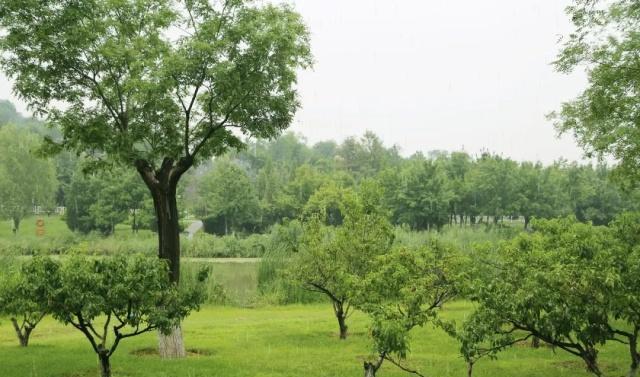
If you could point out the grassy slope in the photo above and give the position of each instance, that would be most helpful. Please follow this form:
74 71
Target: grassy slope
275 341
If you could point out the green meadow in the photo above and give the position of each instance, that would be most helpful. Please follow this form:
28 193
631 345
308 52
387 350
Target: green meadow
270 341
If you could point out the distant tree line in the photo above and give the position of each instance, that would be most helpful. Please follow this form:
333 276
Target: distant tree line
283 179
270 182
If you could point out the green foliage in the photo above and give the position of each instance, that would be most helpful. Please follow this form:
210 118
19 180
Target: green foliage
403 290
204 245
423 197
228 199
164 85
603 117
133 294
554 284
331 260
25 180
328 203
25 294
100 201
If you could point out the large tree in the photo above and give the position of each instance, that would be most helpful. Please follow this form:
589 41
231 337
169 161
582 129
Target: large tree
604 117
155 84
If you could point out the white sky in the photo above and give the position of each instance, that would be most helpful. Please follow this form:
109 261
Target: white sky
427 74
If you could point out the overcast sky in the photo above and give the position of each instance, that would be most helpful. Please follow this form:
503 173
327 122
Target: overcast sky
426 74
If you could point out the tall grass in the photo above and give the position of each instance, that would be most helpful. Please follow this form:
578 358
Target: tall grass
464 238
274 286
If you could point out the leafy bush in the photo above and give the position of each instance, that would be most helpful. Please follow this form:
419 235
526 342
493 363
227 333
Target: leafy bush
133 294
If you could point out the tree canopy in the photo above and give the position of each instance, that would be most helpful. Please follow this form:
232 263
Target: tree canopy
604 116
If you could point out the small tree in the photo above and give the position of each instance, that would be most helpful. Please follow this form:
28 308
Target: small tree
405 290
554 285
25 294
331 260
111 299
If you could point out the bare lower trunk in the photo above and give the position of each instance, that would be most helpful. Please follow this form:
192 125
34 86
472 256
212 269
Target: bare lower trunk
22 333
105 365
163 186
16 224
171 345
341 316
343 327
370 369
469 369
590 359
635 356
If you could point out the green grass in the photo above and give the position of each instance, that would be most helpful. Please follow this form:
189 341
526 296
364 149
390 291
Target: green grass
54 226
297 340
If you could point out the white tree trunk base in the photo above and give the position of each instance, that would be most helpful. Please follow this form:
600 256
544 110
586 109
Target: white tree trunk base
171 346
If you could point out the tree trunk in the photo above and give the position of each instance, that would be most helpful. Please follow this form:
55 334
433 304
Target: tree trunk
370 369
162 184
171 346
343 327
105 365
591 359
23 334
635 356
342 317
527 219
469 369
16 224
166 208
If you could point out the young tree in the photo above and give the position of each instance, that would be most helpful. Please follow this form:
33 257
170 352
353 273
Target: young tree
553 284
404 290
25 295
330 260
111 299
603 117
25 180
155 84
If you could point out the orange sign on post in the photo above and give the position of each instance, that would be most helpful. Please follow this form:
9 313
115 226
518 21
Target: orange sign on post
39 227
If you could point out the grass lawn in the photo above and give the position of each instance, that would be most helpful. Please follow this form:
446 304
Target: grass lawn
297 340
53 226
